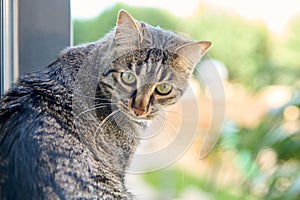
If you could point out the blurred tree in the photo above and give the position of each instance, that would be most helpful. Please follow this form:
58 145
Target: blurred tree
282 180
255 58
285 55
288 48
241 45
93 29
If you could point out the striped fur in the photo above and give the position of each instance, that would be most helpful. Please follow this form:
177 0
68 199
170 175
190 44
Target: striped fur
69 131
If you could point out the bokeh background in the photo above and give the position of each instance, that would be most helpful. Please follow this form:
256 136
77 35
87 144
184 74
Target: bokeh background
256 47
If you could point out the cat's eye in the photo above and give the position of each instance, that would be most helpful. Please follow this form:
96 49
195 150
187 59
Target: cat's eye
164 88
128 78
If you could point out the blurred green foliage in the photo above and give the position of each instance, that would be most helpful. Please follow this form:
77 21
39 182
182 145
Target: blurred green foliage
171 183
288 50
281 181
93 29
241 46
252 55
255 58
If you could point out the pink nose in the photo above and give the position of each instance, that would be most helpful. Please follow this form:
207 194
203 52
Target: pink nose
138 111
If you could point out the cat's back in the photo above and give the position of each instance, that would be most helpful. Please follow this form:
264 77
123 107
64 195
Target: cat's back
41 154
47 91
31 125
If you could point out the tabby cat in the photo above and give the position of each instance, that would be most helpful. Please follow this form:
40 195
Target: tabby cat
69 131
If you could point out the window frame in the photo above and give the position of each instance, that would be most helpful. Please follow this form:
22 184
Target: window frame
8 44
50 21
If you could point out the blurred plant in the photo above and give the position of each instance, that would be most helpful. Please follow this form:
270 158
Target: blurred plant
172 183
246 47
93 29
269 154
285 55
288 46
243 46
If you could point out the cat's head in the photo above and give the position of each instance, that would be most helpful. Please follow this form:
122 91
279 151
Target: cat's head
152 67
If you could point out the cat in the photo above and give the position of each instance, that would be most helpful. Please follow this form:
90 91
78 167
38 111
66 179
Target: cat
70 130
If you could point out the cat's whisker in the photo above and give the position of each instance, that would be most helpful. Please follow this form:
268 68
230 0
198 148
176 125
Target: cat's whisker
88 110
108 103
94 107
106 119
169 134
91 97
170 111
112 118
88 73
169 123
99 97
118 117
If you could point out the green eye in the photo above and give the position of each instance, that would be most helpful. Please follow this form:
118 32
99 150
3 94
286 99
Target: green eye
128 78
164 88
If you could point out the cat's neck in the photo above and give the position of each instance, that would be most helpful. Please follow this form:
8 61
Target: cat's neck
122 139
108 133
114 143
118 138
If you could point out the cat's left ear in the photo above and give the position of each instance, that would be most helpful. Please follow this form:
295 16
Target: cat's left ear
127 27
192 52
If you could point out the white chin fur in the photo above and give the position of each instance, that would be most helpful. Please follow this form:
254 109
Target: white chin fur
144 122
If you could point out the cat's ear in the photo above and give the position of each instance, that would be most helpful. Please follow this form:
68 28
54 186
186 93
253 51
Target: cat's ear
127 26
192 52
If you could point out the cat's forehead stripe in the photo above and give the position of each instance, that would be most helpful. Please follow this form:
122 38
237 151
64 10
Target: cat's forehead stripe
146 55
138 68
148 61
166 76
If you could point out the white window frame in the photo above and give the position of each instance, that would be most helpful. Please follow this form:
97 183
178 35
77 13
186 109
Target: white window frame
9 43
49 20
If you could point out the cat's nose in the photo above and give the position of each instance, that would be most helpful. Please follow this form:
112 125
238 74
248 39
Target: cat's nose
139 111
139 105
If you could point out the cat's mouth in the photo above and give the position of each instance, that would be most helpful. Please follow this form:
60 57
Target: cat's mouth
137 116
142 121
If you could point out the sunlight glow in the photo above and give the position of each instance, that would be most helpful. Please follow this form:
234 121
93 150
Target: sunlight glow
291 113
91 8
275 14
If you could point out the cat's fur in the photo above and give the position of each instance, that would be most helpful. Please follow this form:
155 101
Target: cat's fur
68 131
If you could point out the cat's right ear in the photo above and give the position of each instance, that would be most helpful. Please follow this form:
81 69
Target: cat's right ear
127 28
192 52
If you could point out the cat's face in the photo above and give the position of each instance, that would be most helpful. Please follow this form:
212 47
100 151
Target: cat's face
152 71
144 81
